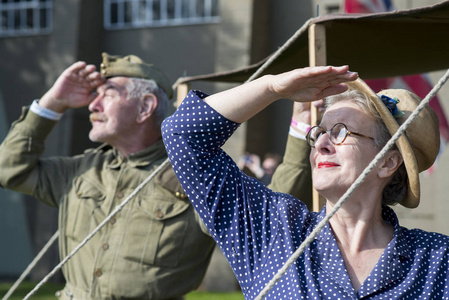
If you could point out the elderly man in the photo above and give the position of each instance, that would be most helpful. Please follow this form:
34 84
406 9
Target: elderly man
156 247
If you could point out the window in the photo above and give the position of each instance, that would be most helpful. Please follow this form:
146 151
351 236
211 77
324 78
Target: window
120 14
25 17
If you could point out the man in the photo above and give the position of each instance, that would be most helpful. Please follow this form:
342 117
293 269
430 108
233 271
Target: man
155 247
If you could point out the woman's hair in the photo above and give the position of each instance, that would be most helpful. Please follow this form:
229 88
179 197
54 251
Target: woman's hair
396 190
138 87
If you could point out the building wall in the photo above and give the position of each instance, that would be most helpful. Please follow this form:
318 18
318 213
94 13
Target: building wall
267 132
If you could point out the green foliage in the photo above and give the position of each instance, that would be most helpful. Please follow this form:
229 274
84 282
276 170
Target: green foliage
197 295
47 291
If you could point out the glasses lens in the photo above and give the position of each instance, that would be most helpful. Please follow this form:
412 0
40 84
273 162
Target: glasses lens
338 133
313 135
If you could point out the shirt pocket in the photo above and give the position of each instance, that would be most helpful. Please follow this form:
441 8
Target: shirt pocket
156 231
84 211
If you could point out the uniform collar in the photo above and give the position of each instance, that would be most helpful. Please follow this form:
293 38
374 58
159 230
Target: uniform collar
140 159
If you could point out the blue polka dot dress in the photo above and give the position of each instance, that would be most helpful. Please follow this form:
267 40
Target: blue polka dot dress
258 229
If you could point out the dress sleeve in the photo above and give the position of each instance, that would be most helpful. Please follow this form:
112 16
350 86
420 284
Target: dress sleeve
239 211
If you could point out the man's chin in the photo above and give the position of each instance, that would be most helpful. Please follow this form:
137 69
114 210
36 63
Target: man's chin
95 139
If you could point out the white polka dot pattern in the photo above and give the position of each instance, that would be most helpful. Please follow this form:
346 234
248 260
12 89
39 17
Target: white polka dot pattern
258 229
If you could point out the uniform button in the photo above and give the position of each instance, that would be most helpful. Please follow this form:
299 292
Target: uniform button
119 194
159 214
180 195
98 272
112 220
105 246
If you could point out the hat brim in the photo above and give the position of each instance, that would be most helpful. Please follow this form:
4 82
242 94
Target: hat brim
412 198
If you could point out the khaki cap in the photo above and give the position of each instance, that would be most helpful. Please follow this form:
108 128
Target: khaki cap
420 144
133 66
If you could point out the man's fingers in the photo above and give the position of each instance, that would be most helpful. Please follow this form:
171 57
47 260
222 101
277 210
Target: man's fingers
76 67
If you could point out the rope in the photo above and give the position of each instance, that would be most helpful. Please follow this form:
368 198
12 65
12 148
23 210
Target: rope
349 192
107 219
31 265
280 50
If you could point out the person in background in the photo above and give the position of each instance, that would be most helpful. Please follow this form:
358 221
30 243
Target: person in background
362 252
156 247
262 170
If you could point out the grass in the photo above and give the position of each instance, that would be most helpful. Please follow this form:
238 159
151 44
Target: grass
48 290
197 295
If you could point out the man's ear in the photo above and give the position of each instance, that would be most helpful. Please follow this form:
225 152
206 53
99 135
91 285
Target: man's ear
390 163
147 106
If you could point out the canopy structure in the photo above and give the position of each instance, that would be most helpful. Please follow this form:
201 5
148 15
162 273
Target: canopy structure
375 45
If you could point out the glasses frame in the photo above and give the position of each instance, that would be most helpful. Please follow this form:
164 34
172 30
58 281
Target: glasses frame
348 132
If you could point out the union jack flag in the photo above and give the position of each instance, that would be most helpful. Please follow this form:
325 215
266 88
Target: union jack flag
419 83
368 6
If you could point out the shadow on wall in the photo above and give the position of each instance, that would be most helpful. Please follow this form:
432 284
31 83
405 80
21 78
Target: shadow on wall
16 250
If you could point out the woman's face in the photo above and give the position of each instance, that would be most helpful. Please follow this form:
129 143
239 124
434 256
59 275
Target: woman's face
336 167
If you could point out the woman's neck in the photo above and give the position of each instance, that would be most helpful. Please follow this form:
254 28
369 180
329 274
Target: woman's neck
362 235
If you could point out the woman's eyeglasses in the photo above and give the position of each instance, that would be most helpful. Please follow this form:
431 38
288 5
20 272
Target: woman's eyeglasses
337 134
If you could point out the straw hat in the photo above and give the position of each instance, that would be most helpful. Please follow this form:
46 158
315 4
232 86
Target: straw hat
420 145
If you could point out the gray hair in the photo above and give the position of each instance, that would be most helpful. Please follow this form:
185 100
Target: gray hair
396 190
138 87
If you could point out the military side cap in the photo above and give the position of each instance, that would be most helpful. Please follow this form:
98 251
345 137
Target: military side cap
133 66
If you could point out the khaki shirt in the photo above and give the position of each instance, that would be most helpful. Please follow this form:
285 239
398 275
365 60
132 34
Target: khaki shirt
294 176
154 248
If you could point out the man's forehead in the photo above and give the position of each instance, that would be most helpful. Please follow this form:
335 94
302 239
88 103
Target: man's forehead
114 82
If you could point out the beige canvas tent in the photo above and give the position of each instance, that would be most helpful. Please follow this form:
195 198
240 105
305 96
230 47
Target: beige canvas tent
376 45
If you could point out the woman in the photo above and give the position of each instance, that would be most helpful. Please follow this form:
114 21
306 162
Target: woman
362 252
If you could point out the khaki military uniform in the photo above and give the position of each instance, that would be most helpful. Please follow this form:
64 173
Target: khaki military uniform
154 248
293 176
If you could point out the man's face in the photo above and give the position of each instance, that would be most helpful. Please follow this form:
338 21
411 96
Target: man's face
113 116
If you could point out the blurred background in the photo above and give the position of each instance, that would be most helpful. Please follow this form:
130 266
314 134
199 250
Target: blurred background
40 38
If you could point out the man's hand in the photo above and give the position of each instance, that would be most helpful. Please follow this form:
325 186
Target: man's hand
302 110
74 88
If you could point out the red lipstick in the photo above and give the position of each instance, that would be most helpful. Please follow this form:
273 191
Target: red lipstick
327 164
